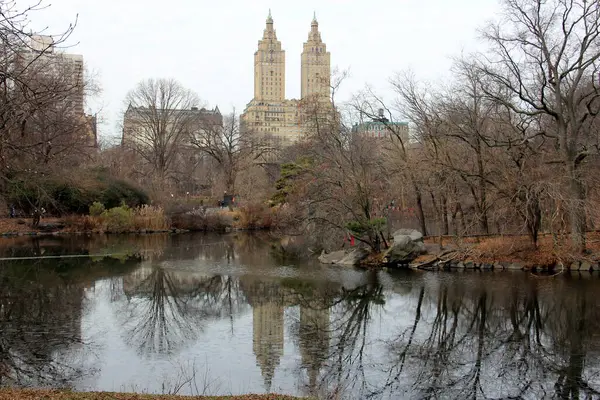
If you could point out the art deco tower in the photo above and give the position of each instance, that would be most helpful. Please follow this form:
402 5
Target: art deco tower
316 69
269 66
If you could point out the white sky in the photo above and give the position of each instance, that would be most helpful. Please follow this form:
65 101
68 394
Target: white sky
208 45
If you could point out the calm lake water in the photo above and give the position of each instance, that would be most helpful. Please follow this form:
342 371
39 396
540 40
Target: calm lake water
209 314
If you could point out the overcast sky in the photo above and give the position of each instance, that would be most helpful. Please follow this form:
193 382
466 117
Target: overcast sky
208 45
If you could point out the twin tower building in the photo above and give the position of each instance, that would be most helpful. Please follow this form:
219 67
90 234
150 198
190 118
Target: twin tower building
269 113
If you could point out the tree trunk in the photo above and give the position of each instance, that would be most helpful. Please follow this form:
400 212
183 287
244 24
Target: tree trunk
445 215
483 218
230 182
420 213
577 212
438 214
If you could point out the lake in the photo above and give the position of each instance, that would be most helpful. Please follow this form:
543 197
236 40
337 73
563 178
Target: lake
230 314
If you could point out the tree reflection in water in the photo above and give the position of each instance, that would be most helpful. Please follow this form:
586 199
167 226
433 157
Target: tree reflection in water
332 336
464 339
164 309
485 342
41 305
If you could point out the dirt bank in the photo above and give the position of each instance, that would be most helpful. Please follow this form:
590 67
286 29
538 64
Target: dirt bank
551 251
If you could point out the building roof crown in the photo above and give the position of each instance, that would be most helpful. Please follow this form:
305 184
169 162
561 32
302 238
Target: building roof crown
269 18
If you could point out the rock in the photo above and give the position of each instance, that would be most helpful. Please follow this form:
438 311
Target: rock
447 265
331 258
414 234
48 227
427 262
574 266
487 266
354 257
344 257
469 265
514 267
459 265
585 266
408 245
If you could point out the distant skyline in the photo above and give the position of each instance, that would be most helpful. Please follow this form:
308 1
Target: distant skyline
208 46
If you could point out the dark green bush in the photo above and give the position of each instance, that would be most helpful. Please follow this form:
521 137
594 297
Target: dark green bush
117 192
69 195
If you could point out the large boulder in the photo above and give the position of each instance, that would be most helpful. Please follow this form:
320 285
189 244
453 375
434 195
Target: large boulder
408 245
349 257
331 258
354 257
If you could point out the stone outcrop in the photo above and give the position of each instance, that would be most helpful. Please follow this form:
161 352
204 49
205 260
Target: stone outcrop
408 245
344 257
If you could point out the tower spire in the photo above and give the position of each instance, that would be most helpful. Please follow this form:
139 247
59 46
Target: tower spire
269 32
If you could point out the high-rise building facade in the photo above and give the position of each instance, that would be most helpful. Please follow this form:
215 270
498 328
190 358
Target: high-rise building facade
58 80
64 71
316 66
269 115
269 67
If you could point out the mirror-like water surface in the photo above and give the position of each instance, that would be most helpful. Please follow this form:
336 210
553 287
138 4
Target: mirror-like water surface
207 314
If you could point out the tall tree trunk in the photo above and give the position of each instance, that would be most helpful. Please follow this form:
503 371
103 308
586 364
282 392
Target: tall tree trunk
577 212
420 213
230 181
445 215
482 189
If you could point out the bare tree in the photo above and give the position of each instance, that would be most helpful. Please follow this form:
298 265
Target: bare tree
41 92
231 150
543 62
160 117
402 160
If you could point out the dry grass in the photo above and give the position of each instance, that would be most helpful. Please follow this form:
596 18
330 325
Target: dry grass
22 225
30 394
150 218
520 250
215 222
253 216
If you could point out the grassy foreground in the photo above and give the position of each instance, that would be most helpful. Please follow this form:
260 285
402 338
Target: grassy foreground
30 394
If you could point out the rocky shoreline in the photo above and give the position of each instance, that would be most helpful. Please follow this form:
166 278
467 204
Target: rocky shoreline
408 250
576 266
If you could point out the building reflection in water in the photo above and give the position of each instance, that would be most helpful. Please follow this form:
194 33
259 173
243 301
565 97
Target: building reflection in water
269 299
314 340
267 339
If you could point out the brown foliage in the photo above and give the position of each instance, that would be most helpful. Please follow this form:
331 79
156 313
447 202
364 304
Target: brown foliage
520 250
254 216
199 222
